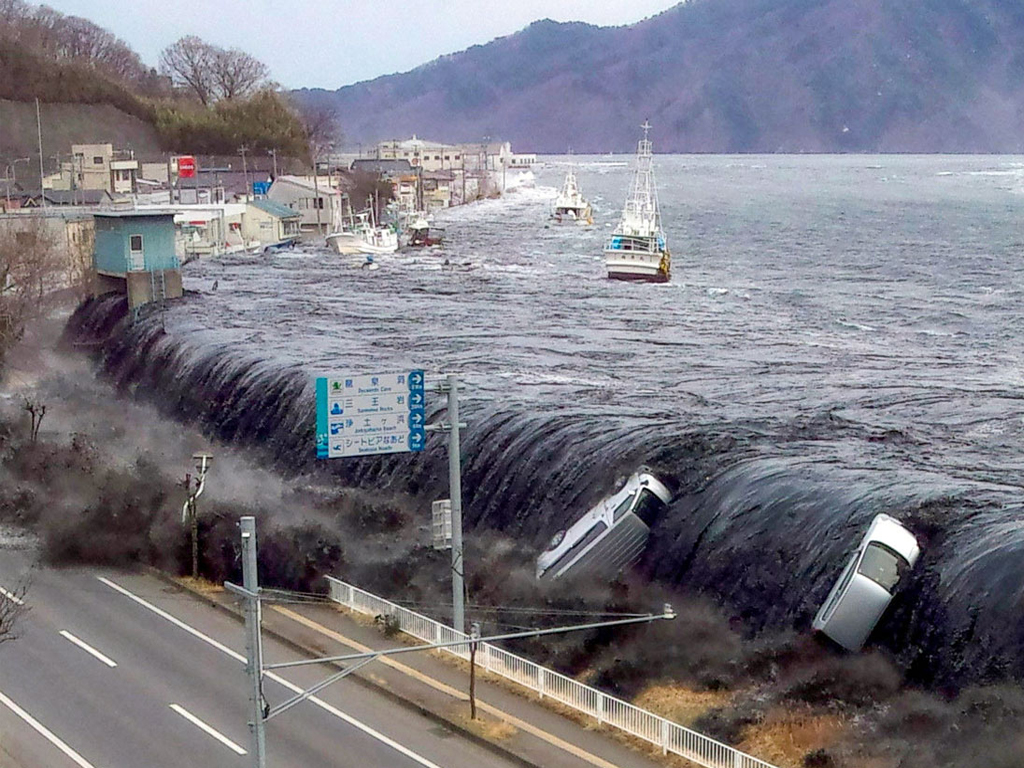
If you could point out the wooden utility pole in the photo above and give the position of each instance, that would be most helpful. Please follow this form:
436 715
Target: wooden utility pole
245 170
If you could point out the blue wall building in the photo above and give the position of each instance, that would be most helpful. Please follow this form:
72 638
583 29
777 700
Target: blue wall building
134 254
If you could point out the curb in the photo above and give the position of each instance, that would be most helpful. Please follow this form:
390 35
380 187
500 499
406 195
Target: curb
498 749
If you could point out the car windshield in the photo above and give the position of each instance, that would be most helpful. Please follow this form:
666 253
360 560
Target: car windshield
882 566
648 506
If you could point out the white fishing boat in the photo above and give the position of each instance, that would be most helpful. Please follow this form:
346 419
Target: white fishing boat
360 234
636 249
571 205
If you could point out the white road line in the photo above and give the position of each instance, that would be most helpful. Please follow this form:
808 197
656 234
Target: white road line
209 729
88 648
273 676
11 596
45 732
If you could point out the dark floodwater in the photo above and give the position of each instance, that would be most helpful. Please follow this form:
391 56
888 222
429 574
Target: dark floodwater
841 336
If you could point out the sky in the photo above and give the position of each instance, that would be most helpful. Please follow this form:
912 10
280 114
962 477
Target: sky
331 43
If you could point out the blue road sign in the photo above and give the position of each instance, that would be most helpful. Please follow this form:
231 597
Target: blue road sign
368 414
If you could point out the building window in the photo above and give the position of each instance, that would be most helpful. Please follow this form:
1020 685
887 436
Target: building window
97 160
447 157
320 203
136 244
458 157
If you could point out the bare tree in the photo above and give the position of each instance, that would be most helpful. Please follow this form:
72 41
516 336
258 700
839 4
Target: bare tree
30 267
12 605
192 63
321 127
236 74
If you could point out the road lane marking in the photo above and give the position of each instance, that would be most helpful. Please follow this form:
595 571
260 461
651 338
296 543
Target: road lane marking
88 648
369 731
45 732
208 729
522 725
11 596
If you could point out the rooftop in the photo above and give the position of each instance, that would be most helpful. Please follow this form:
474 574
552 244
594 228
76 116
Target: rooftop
275 209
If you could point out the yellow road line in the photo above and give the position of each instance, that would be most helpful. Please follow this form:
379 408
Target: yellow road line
453 692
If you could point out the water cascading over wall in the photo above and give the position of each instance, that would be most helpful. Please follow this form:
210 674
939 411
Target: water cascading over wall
763 521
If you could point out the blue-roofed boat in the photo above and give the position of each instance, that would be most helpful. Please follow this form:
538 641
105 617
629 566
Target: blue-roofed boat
637 249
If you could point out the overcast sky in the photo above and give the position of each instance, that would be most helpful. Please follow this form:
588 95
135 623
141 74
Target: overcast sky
331 43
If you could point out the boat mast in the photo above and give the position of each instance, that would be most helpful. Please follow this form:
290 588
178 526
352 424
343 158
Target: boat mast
642 201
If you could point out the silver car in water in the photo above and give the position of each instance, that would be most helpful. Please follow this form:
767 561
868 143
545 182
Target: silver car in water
611 536
867 584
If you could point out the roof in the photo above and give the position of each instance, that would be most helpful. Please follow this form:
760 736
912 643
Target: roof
76 196
275 209
306 182
131 214
383 166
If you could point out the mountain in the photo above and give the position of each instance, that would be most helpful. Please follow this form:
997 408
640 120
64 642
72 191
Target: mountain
724 76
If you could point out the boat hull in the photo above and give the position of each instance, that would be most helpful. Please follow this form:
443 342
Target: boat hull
349 243
640 267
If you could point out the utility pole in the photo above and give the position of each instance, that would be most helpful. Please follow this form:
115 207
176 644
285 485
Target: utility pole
316 192
273 154
475 635
455 491
452 426
39 133
245 170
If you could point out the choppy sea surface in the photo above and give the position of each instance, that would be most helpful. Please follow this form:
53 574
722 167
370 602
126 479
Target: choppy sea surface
842 336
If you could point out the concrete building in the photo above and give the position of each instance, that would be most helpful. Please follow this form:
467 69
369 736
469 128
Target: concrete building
98 167
318 202
428 155
269 223
437 190
134 254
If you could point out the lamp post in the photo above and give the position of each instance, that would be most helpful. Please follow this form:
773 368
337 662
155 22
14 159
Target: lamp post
188 511
11 173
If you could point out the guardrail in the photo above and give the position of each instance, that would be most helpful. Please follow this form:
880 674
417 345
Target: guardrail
547 683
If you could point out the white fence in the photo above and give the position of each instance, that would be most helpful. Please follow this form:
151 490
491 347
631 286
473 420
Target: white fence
671 737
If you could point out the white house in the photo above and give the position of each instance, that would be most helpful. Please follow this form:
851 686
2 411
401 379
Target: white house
317 203
268 222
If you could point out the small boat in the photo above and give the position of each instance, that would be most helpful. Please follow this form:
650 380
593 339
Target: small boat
362 235
422 235
571 205
636 249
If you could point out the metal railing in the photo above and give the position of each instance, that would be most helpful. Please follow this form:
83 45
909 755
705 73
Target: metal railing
606 710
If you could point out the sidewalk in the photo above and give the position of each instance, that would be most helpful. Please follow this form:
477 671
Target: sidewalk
516 725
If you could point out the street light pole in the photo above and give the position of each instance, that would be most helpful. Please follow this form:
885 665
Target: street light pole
189 512
12 175
253 644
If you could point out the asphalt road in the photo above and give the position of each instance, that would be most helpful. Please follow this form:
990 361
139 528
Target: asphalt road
176 693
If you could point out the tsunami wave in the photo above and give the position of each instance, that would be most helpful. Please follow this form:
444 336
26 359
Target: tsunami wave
765 513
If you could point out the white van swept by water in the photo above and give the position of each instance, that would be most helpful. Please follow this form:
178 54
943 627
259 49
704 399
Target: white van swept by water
611 536
867 584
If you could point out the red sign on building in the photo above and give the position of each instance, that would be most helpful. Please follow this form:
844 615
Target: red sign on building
186 167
